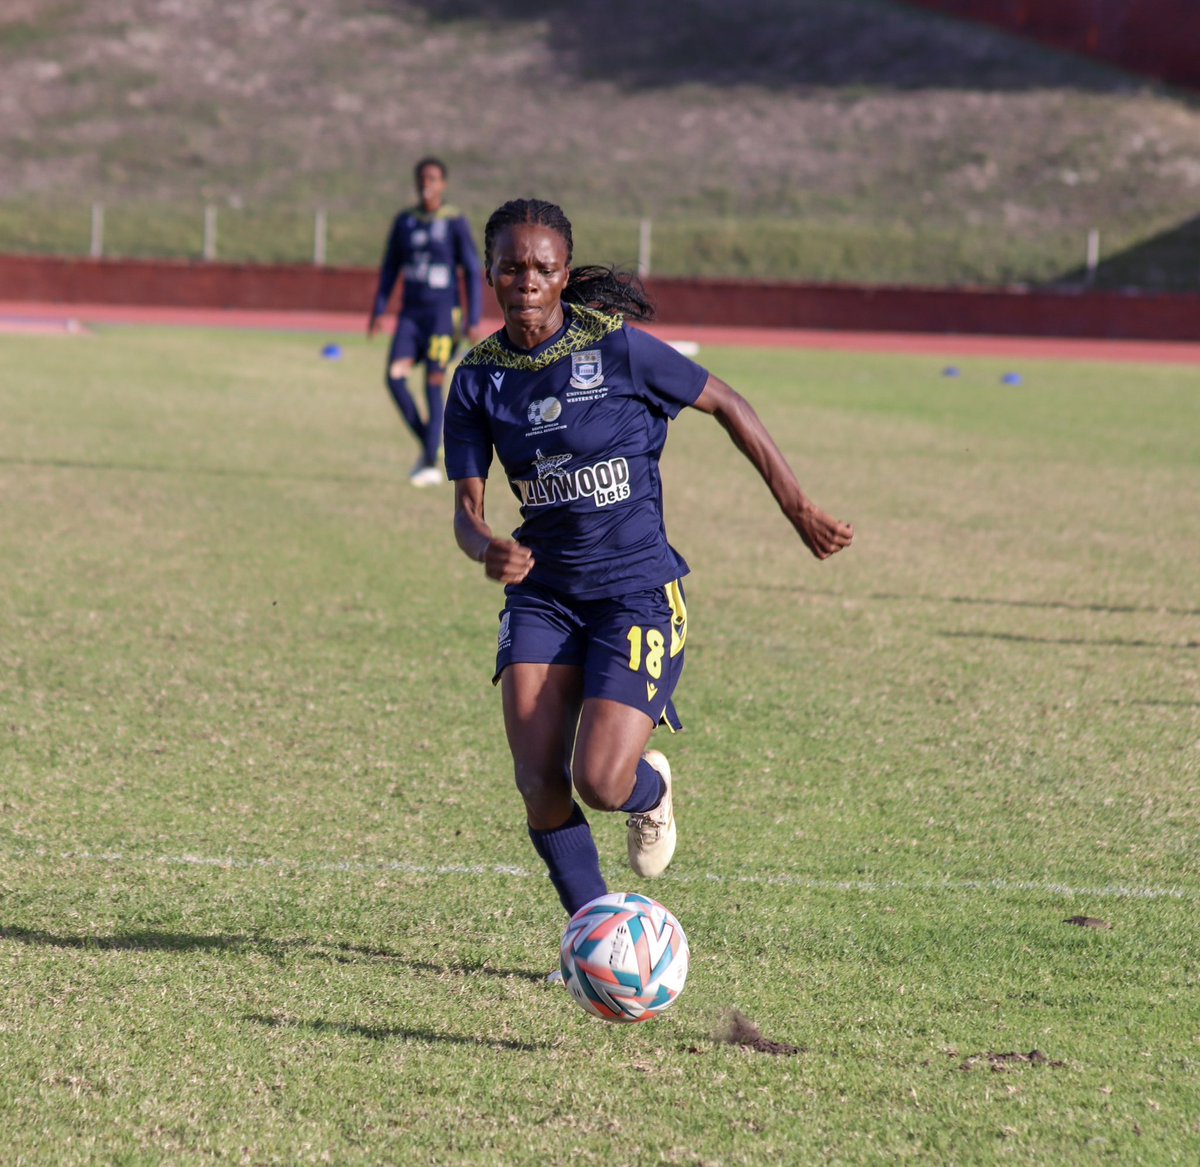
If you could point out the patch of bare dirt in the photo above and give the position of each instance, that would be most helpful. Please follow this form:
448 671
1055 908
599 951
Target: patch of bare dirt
1087 922
738 1029
1003 1063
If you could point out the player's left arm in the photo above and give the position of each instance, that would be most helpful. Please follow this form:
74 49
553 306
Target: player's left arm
467 258
822 534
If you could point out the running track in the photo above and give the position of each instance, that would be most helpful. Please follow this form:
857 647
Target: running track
59 319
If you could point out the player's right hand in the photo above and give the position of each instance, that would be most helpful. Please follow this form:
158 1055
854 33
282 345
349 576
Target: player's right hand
507 561
372 324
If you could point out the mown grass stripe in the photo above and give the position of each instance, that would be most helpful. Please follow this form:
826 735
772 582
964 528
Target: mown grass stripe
1041 887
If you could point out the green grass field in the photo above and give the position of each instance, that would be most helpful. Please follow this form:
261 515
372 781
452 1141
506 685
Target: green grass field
267 897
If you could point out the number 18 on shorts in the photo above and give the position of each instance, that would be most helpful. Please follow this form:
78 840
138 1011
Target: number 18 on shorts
630 648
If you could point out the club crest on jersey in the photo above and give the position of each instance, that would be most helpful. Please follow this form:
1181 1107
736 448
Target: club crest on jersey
548 409
587 370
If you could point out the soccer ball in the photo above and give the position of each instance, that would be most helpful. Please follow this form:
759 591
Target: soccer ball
624 957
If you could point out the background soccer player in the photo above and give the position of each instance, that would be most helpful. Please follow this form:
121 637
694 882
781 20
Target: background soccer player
576 405
429 244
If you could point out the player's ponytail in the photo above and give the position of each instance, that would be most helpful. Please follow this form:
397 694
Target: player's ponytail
610 290
591 286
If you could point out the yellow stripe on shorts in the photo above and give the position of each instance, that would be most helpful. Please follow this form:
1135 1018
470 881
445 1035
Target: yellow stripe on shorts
678 616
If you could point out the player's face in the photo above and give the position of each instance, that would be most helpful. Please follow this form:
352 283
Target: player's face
431 187
528 272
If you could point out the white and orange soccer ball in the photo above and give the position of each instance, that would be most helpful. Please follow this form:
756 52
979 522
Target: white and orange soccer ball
624 957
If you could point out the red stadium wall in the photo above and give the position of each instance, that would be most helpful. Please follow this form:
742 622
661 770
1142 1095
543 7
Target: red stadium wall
1160 38
991 312
42 279
983 311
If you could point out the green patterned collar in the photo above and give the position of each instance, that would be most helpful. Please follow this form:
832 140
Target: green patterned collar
445 211
586 327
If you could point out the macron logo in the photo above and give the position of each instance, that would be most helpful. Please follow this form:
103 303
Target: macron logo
497 380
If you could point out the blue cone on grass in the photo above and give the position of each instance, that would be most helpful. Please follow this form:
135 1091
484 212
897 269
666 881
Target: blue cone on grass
1011 379
332 352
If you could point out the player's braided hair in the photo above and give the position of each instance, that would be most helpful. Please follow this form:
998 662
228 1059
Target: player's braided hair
591 285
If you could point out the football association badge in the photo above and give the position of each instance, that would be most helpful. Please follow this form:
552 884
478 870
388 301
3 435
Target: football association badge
586 370
548 409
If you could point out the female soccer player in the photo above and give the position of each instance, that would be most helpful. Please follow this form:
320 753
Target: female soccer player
591 642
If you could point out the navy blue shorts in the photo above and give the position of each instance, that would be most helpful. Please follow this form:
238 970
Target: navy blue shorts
630 648
426 333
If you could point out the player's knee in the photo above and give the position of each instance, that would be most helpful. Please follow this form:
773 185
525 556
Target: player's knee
539 789
600 789
398 370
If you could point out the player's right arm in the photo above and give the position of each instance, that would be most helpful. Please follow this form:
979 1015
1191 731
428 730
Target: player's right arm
503 560
389 271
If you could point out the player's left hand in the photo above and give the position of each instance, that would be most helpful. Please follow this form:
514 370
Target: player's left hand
476 333
823 535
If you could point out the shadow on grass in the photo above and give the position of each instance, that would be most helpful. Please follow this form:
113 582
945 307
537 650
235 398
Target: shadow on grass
976 601
1151 703
143 941
395 1032
1049 605
780 44
184 471
1165 262
1089 642
457 968
151 940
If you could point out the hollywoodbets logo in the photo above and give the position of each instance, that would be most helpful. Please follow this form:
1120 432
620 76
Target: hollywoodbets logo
604 483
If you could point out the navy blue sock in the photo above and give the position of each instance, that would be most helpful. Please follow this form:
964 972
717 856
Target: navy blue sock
570 854
398 388
647 791
433 429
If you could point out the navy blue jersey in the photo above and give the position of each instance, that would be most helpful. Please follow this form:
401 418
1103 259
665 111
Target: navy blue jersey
427 249
578 424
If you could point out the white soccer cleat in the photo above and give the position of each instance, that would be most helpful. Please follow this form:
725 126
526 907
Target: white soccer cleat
554 978
651 836
426 476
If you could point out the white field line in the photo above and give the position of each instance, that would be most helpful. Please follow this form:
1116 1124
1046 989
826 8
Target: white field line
449 870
